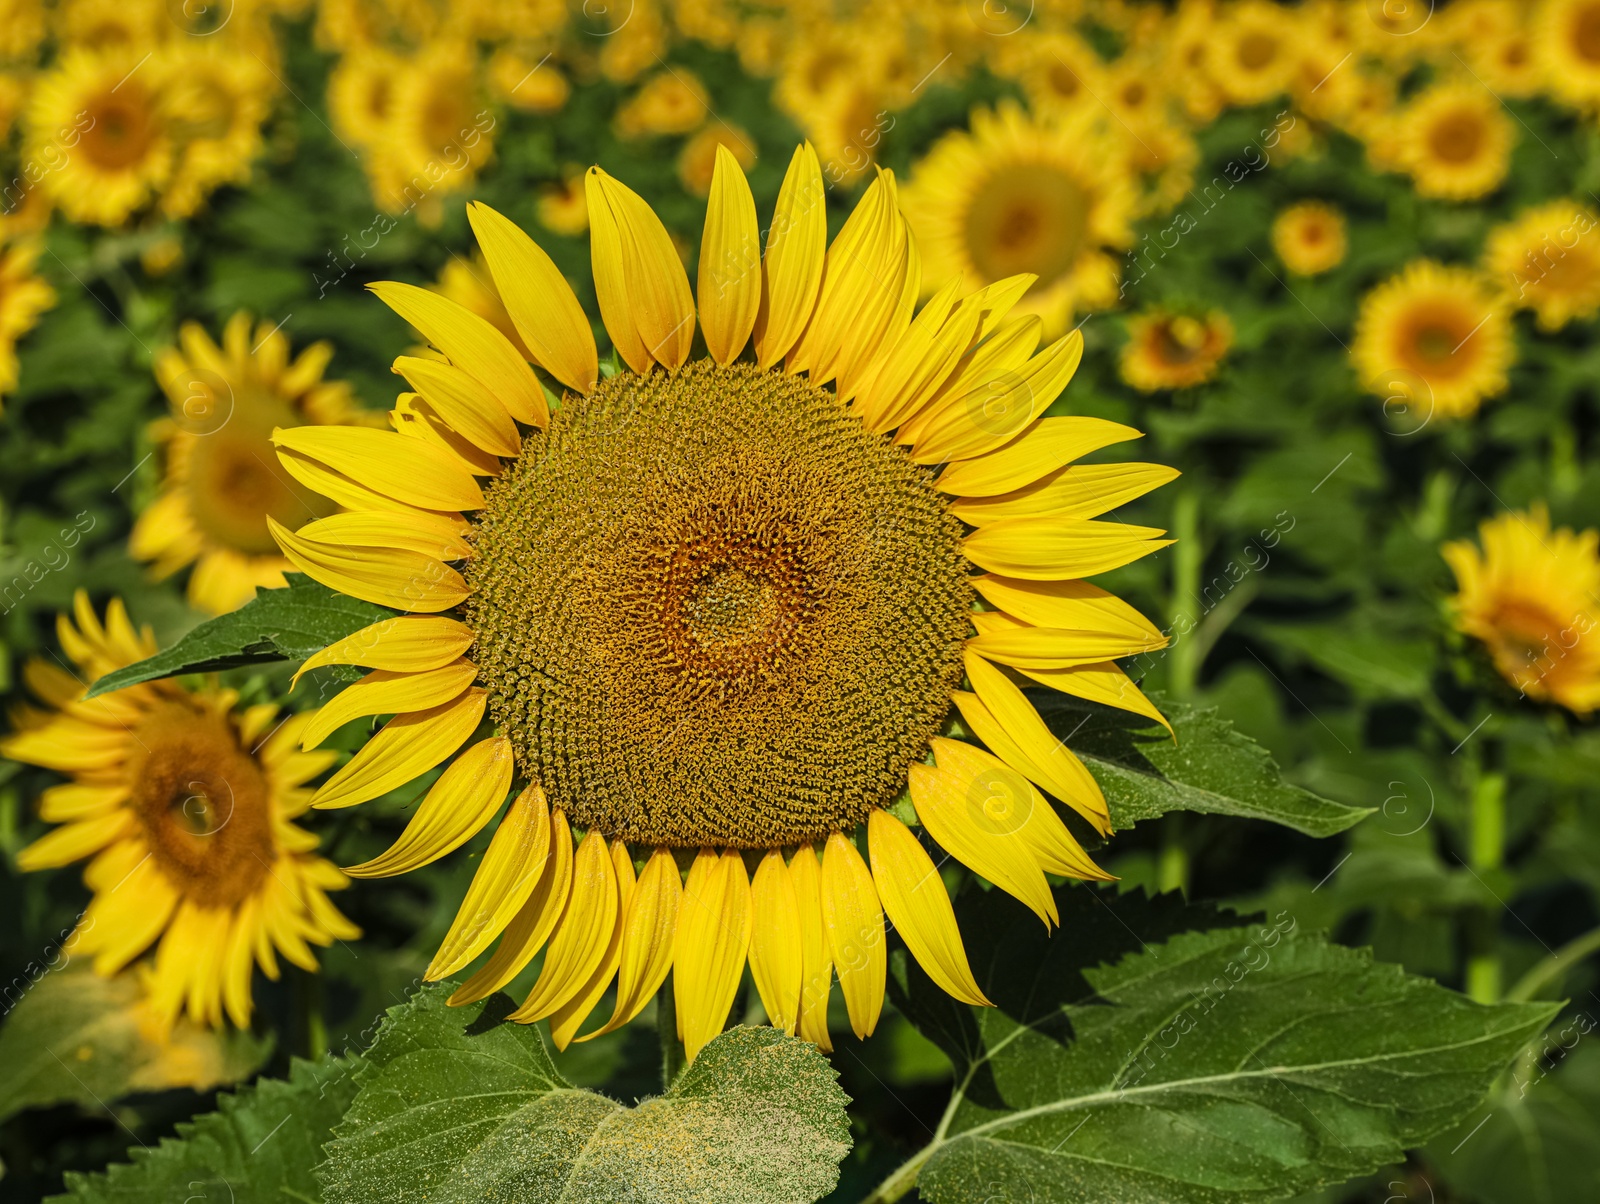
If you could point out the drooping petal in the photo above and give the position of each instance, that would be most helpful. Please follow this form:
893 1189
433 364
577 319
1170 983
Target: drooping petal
854 920
918 906
407 746
1044 549
472 344
409 581
791 272
1051 443
541 303
655 298
569 1017
382 692
712 940
464 402
583 935
409 470
1076 491
465 797
510 870
401 645
649 926
729 284
533 923
775 953
1103 683
816 959
436 536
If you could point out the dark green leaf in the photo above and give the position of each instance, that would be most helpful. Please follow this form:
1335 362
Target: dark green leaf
276 625
1226 1064
258 1147
1212 767
460 1104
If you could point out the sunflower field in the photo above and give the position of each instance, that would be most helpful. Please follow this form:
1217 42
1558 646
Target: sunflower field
769 601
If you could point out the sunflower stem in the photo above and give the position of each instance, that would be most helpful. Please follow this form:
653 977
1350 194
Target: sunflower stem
1486 853
308 1002
667 1032
1183 615
1555 967
903 1179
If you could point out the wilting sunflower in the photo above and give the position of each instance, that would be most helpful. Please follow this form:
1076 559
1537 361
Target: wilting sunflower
95 123
1547 259
1309 238
1436 337
24 295
1047 198
1532 595
1454 141
1567 41
186 803
222 482
1168 350
720 607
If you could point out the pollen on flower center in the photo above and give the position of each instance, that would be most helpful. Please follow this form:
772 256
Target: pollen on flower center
711 609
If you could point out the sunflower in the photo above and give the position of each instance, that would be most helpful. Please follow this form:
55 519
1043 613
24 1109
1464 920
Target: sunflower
527 82
22 28
1532 596
1548 260
125 25
697 161
96 121
1495 39
718 612
1454 141
672 102
361 90
437 134
186 802
215 101
1191 51
1161 155
24 295
1060 73
221 483
1255 53
1167 350
1434 336
1015 195
1309 238
1566 37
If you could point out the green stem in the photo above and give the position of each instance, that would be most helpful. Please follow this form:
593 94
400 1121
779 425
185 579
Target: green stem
667 1033
1486 853
1172 867
1554 968
308 998
1183 611
903 1179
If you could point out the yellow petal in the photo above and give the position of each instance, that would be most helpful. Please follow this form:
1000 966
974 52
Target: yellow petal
775 942
408 746
655 299
791 272
996 300
997 410
464 402
911 371
649 925
472 344
436 536
402 645
408 470
75 800
729 284
582 936
505 878
980 829
1075 491
854 920
353 495
816 959
75 841
569 1017
533 923
465 797
1051 443
606 263
1071 604
914 897
1103 683
383 692
407 581
1044 549
1008 641
998 358
868 340
541 303
414 418
709 949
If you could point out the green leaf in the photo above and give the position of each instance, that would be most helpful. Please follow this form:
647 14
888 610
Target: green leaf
460 1104
287 624
258 1147
1202 1067
75 1037
1212 766
1375 664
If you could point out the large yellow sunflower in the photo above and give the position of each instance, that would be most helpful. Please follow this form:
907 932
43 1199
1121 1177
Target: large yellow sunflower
1435 338
1048 198
186 803
1547 259
96 128
1532 595
1255 55
222 482
719 609
23 297
1566 36
1454 141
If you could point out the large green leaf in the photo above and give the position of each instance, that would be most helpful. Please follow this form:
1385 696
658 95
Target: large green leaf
460 1104
1221 1064
75 1037
258 1147
276 625
1211 766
